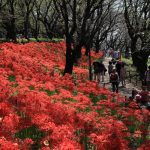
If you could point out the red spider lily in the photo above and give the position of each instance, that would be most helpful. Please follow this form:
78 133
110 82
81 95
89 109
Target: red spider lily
34 92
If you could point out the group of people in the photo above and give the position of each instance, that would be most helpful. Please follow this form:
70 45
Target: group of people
116 71
99 71
114 54
142 97
118 74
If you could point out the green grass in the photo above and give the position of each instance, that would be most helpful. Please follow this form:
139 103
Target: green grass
31 132
129 67
12 78
127 61
23 40
2 40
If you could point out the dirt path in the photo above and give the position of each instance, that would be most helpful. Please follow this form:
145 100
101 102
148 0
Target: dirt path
125 91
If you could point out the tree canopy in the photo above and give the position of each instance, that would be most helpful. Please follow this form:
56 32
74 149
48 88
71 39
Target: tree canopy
94 24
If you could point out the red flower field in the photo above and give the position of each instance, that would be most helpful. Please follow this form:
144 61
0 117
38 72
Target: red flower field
41 109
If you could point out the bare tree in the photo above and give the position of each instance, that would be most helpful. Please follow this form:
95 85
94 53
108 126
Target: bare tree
51 19
137 14
79 30
35 27
106 27
3 3
8 16
27 6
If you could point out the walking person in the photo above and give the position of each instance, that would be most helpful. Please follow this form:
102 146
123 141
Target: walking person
111 53
102 70
123 74
96 70
147 78
118 67
110 68
114 79
116 55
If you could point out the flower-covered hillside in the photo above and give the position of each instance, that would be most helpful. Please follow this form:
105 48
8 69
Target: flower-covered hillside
41 109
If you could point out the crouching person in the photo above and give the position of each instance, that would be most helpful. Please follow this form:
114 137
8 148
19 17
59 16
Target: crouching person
143 97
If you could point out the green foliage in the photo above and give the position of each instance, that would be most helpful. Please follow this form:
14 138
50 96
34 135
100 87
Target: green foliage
102 96
84 140
88 109
31 87
134 143
15 93
135 125
3 40
124 104
66 100
74 93
50 93
148 62
56 40
32 39
96 99
139 141
101 111
12 78
44 39
22 40
127 61
113 112
120 117
21 114
15 85
33 133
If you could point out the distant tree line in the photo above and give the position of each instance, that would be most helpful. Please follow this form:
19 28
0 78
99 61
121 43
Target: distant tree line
30 18
94 24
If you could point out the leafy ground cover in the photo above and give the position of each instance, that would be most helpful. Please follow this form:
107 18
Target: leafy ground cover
23 40
41 109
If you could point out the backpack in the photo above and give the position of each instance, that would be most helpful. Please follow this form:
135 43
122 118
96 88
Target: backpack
113 77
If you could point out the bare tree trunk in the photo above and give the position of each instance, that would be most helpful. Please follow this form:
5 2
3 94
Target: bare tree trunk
26 26
69 57
90 67
88 53
140 57
133 50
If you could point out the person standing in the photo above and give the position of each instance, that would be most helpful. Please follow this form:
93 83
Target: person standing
102 70
118 67
123 74
96 70
110 68
114 79
111 53
147 78
116 55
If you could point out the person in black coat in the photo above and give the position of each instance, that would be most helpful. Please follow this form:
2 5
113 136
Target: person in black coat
118 67
102 70
96 70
